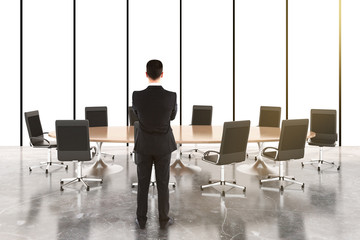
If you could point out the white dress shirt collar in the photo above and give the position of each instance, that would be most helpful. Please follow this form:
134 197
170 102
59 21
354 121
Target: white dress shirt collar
154 84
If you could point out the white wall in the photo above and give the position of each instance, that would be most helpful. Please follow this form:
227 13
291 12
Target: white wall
207 58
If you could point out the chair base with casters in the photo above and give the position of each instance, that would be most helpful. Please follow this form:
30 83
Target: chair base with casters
222 182
320 161
79 178
152 179
282 178
48 163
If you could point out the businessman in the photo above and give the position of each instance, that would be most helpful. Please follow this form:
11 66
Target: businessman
155 107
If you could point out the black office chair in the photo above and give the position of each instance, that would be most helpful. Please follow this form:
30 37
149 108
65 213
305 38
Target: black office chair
201 115
291 146
97 117
323 123
37 139
74 145
268 117
232 150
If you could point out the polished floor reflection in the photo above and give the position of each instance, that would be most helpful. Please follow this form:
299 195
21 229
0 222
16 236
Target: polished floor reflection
33 207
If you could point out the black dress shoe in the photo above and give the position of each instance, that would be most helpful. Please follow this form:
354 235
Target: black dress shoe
140 224
164 225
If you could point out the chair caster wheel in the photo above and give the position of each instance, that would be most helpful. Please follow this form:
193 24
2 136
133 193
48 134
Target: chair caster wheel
209 181
201 188
260 182
101 181
234 182
318 169
67 167
293 178
338 168
247 155
87 188
244 190
61 189
46 171
61 182
256 158
223 193
113 157
132 186
174 186
281 188
302 164
268 177
189 155
30 169
302 186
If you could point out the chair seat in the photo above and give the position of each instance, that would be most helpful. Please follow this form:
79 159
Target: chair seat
45 144
321 143
270 154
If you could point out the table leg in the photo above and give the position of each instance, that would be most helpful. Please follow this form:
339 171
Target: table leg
259 167
100 168
179 164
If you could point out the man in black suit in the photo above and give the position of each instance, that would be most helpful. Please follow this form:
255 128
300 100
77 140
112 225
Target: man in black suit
155 107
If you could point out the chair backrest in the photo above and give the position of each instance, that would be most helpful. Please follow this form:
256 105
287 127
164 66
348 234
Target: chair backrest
72 138
292 139
323 123
97 116
34 128
234 142
201 115
269 116
132 117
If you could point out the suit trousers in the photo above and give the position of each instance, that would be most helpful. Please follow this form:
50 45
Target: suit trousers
162 172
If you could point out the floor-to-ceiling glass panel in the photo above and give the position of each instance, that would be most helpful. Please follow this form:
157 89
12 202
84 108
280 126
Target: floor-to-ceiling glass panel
10 73
207 58
313 56
154 34
350 72
260 57
48 60
101 58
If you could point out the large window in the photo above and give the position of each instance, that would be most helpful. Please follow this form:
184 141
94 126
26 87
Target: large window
207 58
350 72
260 57
48 61
154 34
313 56
101 58
9 72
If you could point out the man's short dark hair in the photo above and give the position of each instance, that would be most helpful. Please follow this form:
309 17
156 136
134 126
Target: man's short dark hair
154 68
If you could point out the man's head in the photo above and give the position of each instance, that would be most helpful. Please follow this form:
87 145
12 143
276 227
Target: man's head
154 69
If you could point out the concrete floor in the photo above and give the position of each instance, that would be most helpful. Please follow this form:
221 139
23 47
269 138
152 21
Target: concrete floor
33 207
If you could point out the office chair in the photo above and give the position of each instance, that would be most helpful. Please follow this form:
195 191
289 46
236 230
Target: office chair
268 117
37 139
132 119
201 115
232 150
291 146
323 123
74 145
97 117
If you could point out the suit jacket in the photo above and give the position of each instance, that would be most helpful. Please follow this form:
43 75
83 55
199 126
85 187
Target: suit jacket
155 107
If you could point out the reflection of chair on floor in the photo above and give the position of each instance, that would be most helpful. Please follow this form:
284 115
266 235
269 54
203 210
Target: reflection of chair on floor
232 150
291 146
201 115
153 178
37 139
323 123
269 117
98 117
74 145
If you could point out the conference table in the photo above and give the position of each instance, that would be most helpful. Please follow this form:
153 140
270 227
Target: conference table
195 134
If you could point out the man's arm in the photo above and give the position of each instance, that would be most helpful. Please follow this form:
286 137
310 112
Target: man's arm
174 111
134 106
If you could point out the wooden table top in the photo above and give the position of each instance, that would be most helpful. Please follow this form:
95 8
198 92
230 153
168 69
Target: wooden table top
182 134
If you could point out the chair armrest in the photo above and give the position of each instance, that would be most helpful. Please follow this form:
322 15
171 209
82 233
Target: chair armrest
273 148
93 152
207 153
46 133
